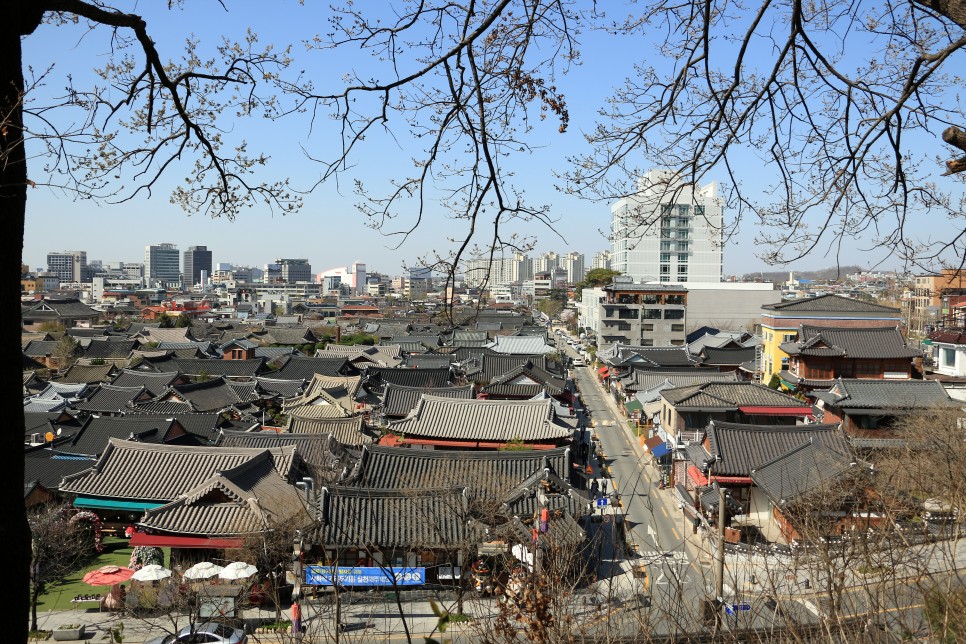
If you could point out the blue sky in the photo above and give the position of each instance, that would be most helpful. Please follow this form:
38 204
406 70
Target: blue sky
329 230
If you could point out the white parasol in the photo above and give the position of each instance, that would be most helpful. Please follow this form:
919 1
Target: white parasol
151 572
202 570
238 570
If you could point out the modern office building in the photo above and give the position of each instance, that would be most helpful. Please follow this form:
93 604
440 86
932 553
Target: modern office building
197 259
647 315
69 265
294 270
162 263
670 231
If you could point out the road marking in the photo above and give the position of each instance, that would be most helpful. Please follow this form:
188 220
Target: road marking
664 512
674 530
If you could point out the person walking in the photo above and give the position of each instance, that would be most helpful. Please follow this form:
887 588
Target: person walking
296 616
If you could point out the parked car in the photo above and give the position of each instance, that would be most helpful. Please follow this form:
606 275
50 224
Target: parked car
210 633
579 362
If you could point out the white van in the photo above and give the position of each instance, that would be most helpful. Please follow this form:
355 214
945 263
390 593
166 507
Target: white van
579 362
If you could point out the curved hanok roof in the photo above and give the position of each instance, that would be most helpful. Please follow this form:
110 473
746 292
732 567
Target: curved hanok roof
498 421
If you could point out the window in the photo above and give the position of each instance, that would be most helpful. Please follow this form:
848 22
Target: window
684 211
647 327
665 257
665 269
681 246
666 209
677 343
650 314
682 234
677 328
682 270
674 299
647 343
789 337
699 211
665 278
651 299
683 258
665 245
674 314
947 357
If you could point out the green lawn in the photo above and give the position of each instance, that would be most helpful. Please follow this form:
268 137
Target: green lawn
117 552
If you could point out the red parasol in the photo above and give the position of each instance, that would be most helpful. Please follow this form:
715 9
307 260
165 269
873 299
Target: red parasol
108 576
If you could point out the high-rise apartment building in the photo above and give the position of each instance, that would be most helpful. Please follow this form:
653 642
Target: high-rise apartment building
196 260
546 262
500 272
670 231
162 263
69 265
601 259
573 263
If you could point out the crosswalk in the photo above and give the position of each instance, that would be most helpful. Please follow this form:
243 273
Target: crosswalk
673 557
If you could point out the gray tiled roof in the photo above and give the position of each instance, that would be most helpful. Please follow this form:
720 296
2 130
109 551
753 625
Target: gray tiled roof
484 472
213 395
491 421
40 348
727 357
98 431
248 498
124 469
303 368
42 422
521 345
111 399
88 374
619 355
854 393
867 343
323 452
393 518
110 349
380 376
272 353
525 377
155 382
431 360
727 395
52 308
49 467
398 401
349 431
640 380
742 448
203 426
829 304
213 367
43 405
285 335
278 387
495 365
804 470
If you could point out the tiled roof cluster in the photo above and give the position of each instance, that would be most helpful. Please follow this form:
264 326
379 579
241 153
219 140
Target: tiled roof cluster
399 401
830 303
855 393
729 395
741 448
869 343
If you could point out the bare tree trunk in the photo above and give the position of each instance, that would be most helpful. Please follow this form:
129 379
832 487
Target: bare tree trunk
20 19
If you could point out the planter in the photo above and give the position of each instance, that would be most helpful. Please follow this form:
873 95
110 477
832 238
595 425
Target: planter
68 634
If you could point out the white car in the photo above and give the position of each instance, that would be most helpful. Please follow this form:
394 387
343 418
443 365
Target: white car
579 362
211 633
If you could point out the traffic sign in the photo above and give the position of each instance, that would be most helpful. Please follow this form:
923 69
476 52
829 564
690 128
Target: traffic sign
732 609
602 502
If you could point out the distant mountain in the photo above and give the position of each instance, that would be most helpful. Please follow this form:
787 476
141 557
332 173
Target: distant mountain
821 275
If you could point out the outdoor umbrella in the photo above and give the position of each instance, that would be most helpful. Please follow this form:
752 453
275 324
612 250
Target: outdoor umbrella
202 570
151 572
238 570
108 576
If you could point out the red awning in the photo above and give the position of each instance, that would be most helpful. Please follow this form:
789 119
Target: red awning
177 541
777 411
697 476
603 371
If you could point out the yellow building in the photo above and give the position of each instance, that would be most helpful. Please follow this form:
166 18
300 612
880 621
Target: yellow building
780 323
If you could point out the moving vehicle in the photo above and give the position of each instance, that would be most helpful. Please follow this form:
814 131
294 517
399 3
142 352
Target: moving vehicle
210 633
579 362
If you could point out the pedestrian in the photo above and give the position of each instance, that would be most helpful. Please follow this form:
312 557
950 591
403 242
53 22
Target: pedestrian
603 486
296 615
595 489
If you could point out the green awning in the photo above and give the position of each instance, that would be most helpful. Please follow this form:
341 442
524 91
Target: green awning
633 405
114 504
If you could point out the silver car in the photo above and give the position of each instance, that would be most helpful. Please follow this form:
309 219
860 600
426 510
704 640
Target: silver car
210 633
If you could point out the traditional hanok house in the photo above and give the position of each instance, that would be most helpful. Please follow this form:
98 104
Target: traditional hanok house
43 352
375 379
36 494
526 381
480 424
286 336
89 374
872 408
411 343
109 400
93 438
40 426
430 360
304 368
468 338
232 508
378 532
949 352
704 337
522 345
399 401
124 482
66 312
350 432
817 490
155 382
151 334
215 395
642 389
110 351
384 355
325 456
619 360
732 359
483 368
191 350
726 456
686 412
822 354
195 368
68 392
328 397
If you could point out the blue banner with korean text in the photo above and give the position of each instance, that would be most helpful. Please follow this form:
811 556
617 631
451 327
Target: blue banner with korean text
364 576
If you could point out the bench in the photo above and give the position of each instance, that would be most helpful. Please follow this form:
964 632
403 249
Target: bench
99 601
